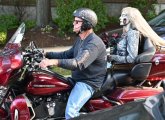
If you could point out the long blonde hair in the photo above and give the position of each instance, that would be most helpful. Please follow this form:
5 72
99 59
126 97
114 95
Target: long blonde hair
141 25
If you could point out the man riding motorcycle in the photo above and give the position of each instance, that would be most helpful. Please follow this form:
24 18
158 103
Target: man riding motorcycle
86 59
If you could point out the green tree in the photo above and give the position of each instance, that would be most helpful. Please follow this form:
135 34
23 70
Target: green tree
65 9
146 7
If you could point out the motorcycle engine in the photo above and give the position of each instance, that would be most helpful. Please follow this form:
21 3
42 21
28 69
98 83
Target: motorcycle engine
49 106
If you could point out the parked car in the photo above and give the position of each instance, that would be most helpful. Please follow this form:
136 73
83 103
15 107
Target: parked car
158 24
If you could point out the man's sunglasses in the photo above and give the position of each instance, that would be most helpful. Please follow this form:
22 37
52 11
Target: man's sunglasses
77 21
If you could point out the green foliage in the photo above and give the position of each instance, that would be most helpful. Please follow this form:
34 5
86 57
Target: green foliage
30 24
61 71
46 29
3 35
146 7
65 9
9 21
113 20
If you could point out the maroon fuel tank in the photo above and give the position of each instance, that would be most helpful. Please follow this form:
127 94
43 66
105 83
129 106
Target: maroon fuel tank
46 84
10 60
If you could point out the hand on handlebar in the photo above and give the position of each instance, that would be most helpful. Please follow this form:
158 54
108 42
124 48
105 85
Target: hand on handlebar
48 62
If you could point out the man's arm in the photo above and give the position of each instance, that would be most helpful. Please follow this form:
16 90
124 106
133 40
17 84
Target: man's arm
53 57
60 55
84 58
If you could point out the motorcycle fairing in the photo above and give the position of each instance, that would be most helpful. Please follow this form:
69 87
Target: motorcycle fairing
46 84
10 59
21 108
10 56
127 94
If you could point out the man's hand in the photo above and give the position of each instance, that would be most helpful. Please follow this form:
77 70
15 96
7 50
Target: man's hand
47 62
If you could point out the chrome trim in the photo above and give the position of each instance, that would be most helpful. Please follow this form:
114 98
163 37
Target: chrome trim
15 114
29 104
157 62
44 86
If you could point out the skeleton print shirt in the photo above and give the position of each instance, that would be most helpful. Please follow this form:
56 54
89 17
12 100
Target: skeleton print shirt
127 47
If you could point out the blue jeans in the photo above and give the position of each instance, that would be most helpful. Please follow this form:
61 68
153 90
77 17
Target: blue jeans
79 95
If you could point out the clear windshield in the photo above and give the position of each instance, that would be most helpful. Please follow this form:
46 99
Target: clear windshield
18 35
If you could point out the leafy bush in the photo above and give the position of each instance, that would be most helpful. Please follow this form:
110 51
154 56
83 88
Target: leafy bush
114 19
46 29
65 9
9 21
3 35
30 24
146 7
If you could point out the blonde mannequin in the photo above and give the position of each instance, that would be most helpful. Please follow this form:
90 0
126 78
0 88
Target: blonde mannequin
133 24
141 25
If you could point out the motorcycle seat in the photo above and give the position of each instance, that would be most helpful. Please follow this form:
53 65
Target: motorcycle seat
108 85
143 63
147 53
126 74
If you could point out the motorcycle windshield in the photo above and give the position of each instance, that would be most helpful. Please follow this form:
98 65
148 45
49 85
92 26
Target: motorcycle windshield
10 56
18 35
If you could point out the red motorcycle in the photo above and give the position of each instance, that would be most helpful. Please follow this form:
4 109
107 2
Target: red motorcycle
28 92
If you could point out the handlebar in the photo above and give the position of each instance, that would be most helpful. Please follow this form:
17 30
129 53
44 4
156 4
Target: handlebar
32 55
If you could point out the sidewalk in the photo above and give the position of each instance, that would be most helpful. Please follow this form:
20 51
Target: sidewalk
56 49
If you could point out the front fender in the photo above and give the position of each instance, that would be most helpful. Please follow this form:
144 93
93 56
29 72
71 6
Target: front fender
20 108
